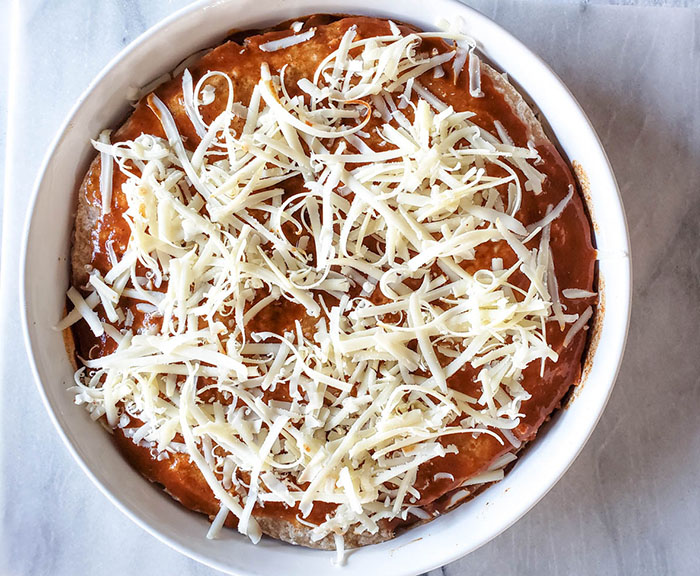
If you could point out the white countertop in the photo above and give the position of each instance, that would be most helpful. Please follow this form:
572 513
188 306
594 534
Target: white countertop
631 502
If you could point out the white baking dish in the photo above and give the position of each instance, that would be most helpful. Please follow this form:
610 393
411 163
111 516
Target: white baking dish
46 276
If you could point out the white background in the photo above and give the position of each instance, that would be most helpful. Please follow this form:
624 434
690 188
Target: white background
631 502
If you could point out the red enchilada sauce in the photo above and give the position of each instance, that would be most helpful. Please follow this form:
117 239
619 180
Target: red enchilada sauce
571 246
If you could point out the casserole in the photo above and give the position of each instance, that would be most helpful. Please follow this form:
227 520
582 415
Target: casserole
49 226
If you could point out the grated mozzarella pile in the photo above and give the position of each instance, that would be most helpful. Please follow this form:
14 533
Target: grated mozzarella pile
374 247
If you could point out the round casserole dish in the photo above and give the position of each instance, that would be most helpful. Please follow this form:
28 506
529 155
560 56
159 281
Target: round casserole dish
203 25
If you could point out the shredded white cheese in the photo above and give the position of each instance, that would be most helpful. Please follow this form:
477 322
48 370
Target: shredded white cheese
106 168
288 41
372 248
577 326
475 75
576 293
